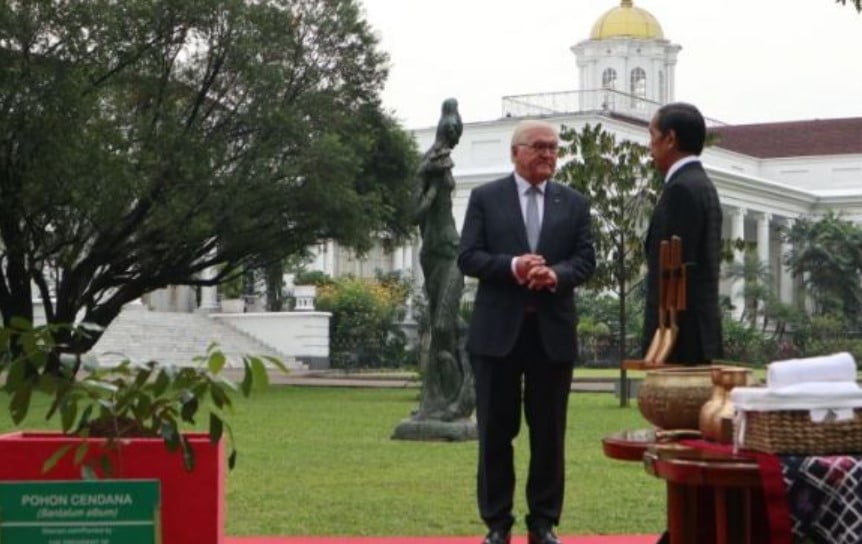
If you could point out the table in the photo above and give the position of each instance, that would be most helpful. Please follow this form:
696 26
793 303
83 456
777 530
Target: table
713 497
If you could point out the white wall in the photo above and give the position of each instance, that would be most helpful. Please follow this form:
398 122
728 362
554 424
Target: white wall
301 335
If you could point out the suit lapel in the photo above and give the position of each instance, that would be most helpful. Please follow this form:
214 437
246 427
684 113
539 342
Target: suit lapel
511 202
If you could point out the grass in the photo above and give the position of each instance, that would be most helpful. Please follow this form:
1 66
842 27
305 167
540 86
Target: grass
317 461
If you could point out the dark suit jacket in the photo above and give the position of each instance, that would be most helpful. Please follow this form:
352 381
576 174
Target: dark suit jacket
689 208
494 233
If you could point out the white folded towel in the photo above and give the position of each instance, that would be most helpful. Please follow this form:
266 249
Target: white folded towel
828 368
818 389
818 396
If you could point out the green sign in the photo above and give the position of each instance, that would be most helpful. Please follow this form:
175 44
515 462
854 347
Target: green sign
80 512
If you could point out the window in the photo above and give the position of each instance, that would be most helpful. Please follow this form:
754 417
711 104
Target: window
609 83
609 78
638 88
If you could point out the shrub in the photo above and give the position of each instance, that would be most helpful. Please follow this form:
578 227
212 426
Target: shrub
364 331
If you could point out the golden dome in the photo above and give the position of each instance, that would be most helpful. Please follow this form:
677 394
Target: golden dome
626 21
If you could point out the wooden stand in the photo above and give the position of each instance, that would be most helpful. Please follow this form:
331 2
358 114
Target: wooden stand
640 364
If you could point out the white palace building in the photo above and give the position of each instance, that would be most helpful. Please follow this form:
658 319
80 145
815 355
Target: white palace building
767 175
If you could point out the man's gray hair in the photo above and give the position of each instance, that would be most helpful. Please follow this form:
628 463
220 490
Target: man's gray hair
527 125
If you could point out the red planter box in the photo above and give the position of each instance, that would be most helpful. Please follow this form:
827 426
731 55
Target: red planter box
192 509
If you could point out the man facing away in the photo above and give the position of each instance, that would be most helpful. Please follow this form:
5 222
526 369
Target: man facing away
688 207
529 242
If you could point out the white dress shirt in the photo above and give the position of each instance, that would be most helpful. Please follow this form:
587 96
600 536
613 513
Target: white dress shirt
679 164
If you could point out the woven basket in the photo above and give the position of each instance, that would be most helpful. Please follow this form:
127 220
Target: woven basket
793 432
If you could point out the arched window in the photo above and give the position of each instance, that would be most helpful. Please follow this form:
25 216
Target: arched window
609 83
609 79
638 87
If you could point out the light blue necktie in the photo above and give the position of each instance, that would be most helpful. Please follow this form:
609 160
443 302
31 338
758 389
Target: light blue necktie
533 225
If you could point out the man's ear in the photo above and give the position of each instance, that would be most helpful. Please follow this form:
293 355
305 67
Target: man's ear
671 139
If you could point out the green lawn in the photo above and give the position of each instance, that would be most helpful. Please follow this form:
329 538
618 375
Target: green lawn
320 462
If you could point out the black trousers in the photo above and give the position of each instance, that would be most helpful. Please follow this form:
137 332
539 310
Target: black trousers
525 376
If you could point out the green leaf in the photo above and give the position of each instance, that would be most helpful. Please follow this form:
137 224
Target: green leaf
216 428
220 398
19 405
105 463
231 460
216 361
161 384
170 433
189 409
188 453
81 451
68 414
260 376
247 378
87 473
278 363
52 461
21 324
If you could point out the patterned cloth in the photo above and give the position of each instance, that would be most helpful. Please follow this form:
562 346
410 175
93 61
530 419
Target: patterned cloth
824 495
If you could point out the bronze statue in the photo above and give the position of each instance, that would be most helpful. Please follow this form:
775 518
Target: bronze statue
448 393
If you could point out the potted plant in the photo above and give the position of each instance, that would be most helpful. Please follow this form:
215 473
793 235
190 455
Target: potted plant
128 422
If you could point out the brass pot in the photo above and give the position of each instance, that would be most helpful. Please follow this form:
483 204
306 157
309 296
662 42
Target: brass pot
671 398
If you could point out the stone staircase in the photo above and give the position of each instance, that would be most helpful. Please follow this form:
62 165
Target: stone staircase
175 338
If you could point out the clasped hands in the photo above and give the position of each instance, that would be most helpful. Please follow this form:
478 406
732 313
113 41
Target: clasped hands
532 271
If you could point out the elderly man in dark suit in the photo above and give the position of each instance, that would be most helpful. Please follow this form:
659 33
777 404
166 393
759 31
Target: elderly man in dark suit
529 242
688 207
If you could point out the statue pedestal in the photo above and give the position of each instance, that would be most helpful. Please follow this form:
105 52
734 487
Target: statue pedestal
433 430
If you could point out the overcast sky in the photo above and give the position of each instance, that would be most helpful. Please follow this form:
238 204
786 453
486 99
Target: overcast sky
742 61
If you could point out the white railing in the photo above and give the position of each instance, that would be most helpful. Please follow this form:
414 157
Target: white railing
594 100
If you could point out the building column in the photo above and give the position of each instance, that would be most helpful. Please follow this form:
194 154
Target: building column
398 259
737 232
209 294
785 285
763 221
329 259
763 253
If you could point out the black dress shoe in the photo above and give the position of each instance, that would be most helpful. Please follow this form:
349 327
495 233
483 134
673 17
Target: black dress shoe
497 537
543 536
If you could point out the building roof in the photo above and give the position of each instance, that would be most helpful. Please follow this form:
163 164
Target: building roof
626 21
793 138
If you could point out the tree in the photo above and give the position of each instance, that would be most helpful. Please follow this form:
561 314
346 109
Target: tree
827 254
758 292
145 141
623 189
856 3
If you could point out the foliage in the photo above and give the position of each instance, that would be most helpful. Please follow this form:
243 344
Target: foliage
364 331
758 292
593 336
856 3
601 309
792 334
312 277
827 254
745 343
623 188
823 334
145 141
130 400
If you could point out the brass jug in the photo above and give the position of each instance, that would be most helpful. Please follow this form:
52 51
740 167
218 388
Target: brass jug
717 414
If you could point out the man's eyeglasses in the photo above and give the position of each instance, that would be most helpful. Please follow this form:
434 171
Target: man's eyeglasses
540 147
